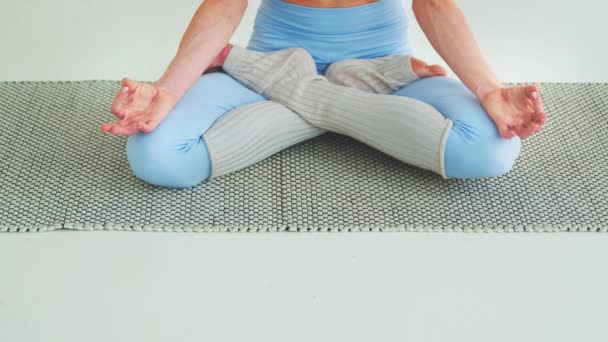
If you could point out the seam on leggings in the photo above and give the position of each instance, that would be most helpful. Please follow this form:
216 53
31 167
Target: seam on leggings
444 141
211 157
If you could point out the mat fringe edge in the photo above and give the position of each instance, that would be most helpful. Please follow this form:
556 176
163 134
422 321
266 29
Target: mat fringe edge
304 228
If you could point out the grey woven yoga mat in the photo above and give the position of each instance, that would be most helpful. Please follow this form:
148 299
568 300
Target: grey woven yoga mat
58 171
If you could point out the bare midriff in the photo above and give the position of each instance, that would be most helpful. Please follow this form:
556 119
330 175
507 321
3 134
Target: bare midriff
331 3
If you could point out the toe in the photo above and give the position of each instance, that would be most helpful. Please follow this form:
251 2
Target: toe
438 70
418 66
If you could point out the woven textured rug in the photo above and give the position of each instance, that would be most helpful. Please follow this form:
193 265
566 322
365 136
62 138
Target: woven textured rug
58 171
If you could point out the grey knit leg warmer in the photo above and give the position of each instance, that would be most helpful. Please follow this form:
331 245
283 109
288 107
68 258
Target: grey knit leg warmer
254 132
405 128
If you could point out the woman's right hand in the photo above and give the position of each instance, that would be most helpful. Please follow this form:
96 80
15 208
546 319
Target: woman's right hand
140 107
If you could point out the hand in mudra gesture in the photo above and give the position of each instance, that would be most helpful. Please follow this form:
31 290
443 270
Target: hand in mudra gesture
516 111
140 107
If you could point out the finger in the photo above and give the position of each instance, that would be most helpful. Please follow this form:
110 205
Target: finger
534 95
142 98
535 128
540 118
512 134
136 125
518 120
106 127
523 136
114 129
518 131
126 129
111 128
117 126
148 126
118 105
538 105
129 83
531 91
505 132
526 130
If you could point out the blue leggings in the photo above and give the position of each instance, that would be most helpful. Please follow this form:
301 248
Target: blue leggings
175 154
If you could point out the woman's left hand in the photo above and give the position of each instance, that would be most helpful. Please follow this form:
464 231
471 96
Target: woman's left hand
516 111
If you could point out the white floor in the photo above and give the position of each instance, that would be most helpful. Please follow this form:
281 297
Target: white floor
119 286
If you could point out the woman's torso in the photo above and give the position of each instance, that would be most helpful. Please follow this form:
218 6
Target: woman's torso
368 30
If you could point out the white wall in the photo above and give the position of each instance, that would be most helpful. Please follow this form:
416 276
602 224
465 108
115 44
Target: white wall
118 286
524 40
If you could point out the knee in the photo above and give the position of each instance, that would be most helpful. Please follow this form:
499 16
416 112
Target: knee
167 163
175 154
496 158
474 149
485 155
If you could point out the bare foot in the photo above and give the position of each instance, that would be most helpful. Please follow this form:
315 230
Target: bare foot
221 57
424 70
516 110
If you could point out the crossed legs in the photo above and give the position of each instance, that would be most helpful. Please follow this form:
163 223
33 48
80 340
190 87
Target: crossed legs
221 126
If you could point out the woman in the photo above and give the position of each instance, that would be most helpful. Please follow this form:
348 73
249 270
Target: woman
187 128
